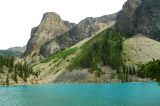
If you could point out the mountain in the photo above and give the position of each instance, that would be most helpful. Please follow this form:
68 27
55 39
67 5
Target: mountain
120 47
113 58
91 51
18 49
50 27
54 34
78 63
14 51
140 16
86 28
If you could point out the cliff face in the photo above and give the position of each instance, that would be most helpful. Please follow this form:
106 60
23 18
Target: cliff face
140 16
86 28
149 19
126 18
50 27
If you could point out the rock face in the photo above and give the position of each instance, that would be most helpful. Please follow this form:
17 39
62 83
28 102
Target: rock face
149 18
50 27
50 48
69 25
82 30
140 16
126 18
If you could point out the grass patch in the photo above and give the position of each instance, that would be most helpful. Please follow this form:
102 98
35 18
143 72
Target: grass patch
61 54
58 64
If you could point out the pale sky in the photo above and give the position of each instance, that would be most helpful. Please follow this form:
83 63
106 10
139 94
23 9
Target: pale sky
17 17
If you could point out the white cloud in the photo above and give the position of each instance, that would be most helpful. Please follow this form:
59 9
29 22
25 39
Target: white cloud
17 17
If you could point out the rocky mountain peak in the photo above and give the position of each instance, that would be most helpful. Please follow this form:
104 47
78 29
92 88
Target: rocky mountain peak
51 15
51 23
53 34
50 27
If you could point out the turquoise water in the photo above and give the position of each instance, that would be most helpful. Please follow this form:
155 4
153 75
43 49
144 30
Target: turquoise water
127 94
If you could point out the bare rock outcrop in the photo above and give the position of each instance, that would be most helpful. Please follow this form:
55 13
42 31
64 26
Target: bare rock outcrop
126 18
50 27
140 16
148 19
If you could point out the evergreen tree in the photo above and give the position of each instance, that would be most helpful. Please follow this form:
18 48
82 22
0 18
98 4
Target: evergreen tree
7 80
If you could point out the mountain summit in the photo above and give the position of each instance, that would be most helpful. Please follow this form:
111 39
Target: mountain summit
50 27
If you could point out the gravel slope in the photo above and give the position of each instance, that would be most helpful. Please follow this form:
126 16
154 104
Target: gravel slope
141 49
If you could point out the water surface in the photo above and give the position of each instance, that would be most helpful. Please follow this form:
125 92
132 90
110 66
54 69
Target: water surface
127 94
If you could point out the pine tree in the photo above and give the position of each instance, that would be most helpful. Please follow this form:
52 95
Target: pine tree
15 74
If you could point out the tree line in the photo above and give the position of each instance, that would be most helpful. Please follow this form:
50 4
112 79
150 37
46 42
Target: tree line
150 70
15 70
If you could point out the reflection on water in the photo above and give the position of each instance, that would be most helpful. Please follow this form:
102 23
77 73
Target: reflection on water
128 94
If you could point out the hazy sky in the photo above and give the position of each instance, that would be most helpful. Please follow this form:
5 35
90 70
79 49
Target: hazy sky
17 17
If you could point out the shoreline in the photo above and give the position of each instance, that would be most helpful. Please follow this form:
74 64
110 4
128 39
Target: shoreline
77 83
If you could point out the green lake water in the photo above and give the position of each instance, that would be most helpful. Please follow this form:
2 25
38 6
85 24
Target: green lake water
118 94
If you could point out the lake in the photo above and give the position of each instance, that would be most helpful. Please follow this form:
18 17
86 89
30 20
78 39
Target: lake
118 94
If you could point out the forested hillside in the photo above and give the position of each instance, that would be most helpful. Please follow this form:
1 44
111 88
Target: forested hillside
9 53
14 51
14 72
150 69
105 48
